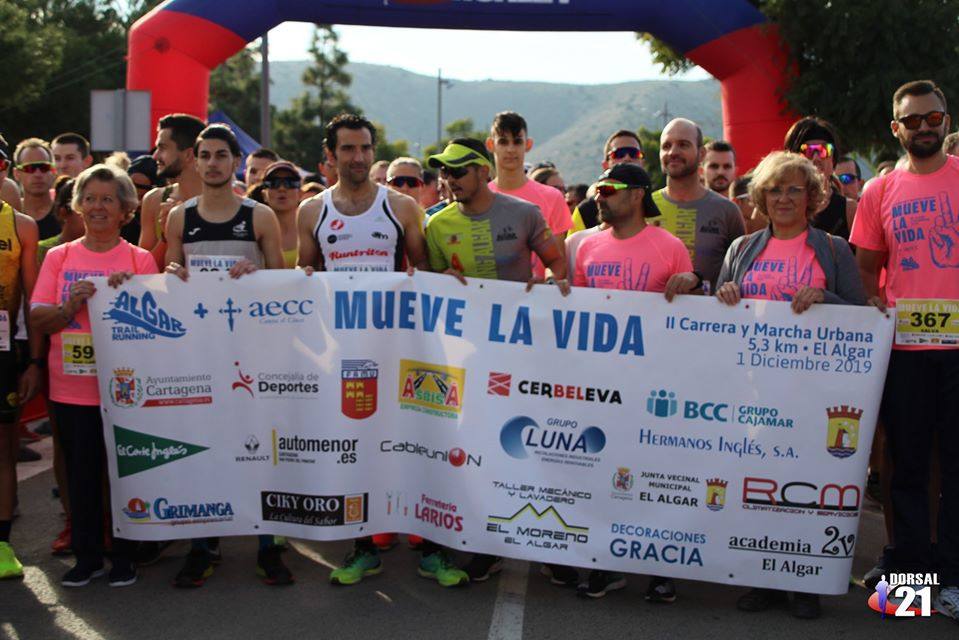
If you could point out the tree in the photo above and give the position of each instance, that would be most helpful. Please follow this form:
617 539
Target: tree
235 90
386 150
851 56
462 128
54 53
650 142
298 134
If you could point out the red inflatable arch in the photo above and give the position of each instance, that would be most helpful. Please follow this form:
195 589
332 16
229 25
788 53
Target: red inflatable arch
173 48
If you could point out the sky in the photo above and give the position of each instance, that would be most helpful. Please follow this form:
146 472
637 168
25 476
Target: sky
580 58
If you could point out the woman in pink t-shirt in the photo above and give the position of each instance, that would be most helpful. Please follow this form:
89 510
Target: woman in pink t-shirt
793 262
105 198
790 260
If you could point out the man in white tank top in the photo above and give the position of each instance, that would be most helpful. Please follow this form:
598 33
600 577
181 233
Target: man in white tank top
358 225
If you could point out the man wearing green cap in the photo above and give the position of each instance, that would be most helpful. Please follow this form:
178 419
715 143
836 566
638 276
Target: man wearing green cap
490 235
484 234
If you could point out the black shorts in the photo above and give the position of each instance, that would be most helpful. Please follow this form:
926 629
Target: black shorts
9 375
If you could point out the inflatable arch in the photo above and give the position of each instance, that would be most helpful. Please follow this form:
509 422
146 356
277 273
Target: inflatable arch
173 48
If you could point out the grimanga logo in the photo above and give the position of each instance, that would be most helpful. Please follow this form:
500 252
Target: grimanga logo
141 318
141 512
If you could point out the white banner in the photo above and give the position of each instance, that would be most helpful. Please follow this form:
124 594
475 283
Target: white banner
607 429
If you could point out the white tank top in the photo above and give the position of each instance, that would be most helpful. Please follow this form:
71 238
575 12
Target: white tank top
368 241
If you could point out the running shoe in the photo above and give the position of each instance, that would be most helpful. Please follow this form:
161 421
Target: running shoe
756 600
482 566
81 574
270 567
415 542
874 575
947 603
123 573
560 574
197 568
385 541
213 548
26 454
599 583
439 567
281 543
661 590
62 545
10 567
359 564
148 553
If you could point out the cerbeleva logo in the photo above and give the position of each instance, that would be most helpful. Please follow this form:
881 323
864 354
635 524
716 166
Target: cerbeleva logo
137 452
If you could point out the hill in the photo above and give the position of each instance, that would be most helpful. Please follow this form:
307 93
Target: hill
568 122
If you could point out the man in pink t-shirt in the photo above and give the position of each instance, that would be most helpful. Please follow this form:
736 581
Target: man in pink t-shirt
635 256
509 142
907 224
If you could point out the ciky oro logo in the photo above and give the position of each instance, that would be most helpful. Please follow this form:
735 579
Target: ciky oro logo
842 432
897 596
141 318
359 388
431 388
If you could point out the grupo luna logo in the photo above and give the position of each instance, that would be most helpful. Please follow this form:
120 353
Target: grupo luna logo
662 403
522 431
842 432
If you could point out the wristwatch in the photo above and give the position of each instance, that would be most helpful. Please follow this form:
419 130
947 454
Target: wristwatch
40 362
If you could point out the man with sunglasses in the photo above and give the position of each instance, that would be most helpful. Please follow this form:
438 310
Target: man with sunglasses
817 139
484 234
850 177
621 147
35 171
908 224
719 166
9 191
405 175
705 221
509 143
281 182
71 154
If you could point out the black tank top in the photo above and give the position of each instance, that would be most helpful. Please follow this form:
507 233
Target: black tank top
832 219
235 237
48 225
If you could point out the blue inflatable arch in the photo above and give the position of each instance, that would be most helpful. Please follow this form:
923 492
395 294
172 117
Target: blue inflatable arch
173 48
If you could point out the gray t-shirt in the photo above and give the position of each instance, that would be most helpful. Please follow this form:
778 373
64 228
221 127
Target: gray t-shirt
496 244
706 226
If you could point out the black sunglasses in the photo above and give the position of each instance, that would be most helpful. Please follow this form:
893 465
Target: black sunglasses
626 152
914 121
454 172
281 183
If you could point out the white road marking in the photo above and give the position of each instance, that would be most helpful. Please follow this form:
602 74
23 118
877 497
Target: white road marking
507 622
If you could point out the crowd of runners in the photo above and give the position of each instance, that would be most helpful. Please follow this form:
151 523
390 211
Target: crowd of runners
801 227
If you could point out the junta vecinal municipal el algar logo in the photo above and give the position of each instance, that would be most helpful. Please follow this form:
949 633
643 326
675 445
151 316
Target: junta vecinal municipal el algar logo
141 318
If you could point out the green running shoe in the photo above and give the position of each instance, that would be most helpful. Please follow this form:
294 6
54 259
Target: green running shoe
439 567
359 564
10 567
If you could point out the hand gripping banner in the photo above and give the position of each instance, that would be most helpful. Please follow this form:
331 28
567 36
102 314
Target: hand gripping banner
607 429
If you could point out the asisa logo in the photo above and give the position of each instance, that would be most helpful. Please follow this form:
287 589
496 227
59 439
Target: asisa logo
431 388
141 318
842 432
561 440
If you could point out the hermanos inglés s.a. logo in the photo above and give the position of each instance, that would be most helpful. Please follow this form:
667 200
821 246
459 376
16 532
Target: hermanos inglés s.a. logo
137 452
431 388
141 318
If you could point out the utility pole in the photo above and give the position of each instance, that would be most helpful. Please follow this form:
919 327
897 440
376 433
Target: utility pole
265 134
440 84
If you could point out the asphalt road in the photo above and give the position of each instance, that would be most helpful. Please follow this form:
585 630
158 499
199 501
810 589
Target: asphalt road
520 603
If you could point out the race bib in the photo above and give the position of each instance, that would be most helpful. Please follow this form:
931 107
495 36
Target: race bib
4 330
78 356
196 263
927 322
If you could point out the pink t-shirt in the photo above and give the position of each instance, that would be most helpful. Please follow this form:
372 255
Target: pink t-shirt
911 218
551 203
73 382
641 263
781 268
